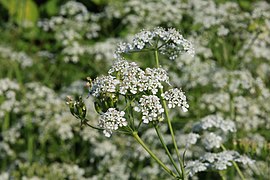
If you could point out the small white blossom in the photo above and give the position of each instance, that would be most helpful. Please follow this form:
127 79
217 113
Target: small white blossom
4 176
76 9
134 80
211 140
153 79
130 76
103 84
171 42
151 108
245 160
222 31
215 121
17 56
176 97
216 161
195 166
192 139
111 121
224 159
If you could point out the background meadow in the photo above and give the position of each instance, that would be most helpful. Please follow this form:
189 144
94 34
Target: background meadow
49 47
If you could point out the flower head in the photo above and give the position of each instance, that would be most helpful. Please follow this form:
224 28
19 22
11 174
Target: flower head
111 121
103 84
215 121
176 97
170 42
134 80
151 108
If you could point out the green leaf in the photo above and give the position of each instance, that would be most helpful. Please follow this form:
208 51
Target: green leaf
51 7
21 10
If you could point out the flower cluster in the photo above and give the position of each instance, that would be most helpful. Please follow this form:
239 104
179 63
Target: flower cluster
73 24
210 131
135 80
8 91
127 80
151 108
170 42
176 97
211 140
130 75
104 84
76 9
20 57
215 121
216 161
235 81
143 14
112 120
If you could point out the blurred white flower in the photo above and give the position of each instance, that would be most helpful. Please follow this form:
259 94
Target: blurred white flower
211 140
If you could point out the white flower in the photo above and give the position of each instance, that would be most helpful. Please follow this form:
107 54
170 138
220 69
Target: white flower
176 97
4 176
211 140
216 161
195 166
151 108
215 121
192 139
111 121
130 76
170 41
134 80
245 160
224 159
76 9
103 84
20 57
222 31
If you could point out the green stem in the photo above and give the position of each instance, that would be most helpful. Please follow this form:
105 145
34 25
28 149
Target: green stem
235 165
167 150
156 58
86 123
30 140
6 123
139 140
170 124
222 175
18 74
5 127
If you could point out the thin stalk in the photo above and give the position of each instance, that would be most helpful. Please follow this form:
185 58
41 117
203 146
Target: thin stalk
5 127
139 124
130 113
167 150
235 165
156 58
170 124
139 140
6 123
30 139
86 123
18 73
132 117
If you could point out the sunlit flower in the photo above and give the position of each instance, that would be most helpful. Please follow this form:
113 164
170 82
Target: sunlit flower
111 121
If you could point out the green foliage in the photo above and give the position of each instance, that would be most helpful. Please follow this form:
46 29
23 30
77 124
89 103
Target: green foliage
21 11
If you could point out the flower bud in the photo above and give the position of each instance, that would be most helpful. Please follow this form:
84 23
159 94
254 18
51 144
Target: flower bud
77 108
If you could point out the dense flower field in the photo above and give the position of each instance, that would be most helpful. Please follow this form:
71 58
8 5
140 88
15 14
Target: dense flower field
129 89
